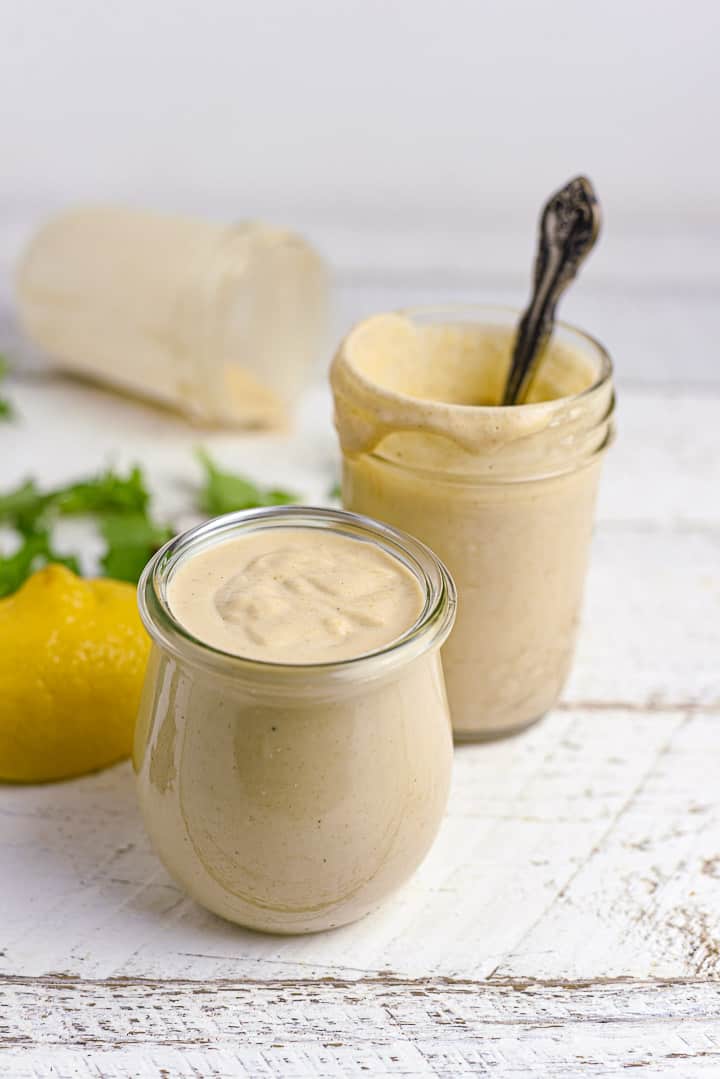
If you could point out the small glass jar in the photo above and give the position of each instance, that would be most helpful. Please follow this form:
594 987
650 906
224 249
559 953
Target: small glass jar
223 323
293 798
504 495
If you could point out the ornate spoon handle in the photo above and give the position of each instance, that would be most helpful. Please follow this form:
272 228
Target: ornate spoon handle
569 226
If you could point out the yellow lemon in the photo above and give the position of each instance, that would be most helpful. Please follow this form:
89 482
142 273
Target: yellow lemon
72 659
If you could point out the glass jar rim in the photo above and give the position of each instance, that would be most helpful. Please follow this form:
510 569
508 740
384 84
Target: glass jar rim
432 311
475 480
429 630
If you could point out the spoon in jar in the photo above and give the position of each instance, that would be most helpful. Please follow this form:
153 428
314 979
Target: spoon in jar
569 227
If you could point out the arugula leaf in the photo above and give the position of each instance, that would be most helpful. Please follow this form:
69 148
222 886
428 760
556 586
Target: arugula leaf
224 492
7 412
35 552
132 538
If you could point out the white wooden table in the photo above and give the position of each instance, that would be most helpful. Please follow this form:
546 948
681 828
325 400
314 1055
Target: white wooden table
567 921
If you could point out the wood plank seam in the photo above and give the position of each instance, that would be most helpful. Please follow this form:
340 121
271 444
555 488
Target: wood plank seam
429 983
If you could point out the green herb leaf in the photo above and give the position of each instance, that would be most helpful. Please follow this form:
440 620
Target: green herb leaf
109 492
120 501
22 506
106 493
7 412
335 492
225 492
35 552
132 538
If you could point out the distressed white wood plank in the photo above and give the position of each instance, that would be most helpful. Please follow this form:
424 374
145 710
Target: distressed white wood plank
651 627
108 428
528 818
671 1057
655 551
648 900
588 847
381 1027
650 634
212 1062
664 468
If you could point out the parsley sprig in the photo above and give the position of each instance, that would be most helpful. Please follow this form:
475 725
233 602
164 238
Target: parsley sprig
118 504
120 507
7 410
35 551
225 492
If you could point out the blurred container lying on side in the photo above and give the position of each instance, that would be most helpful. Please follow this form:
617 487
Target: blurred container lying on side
221 323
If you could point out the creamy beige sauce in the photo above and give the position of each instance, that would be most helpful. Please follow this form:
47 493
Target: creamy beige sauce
292 812
294 595
293 800
442 384
504 496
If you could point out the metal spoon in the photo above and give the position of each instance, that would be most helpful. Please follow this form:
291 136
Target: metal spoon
569 226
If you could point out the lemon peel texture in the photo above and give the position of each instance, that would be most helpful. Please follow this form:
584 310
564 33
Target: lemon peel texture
72 659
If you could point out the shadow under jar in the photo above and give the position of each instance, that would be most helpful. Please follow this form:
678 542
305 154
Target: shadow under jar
294 797
504 495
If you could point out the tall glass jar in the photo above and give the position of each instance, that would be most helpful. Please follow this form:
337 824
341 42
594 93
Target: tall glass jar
505 496
293 798
223 323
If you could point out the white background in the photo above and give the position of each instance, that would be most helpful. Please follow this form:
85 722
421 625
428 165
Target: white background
414 140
